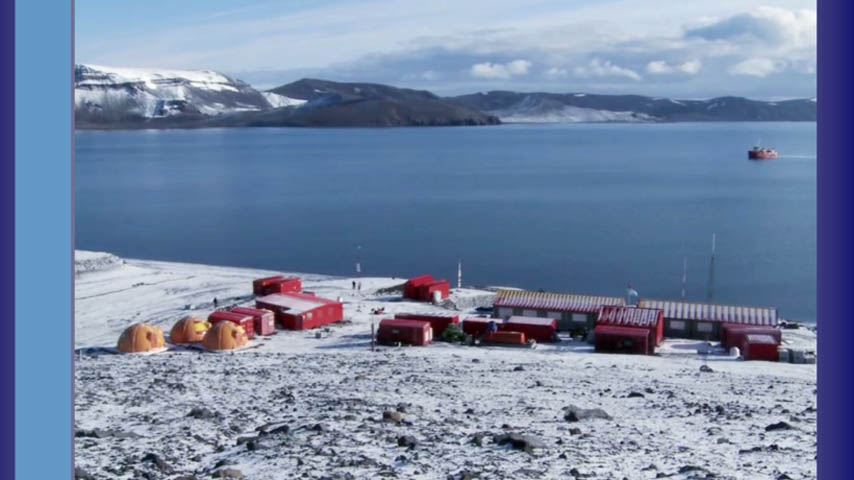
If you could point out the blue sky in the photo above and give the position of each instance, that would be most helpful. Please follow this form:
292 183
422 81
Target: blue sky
684 49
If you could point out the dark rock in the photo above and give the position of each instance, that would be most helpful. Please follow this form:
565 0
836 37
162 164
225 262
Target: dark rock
576 414
464 475
407 441
575 431
634 395
80 474
281 429
690 468
648 390
228 473
393 416
477 439
202 413
518 368
158 462
706 369
319 427
783 476
526 443
100 433
778 426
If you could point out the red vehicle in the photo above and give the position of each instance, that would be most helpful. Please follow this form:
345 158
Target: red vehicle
265 320
513 339
762 153
245 321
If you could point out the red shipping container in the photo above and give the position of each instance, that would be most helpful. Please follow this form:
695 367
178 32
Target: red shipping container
410 332
245 321
540 329
298 311
759 347
613 339
286 285
265 320
438 322
733 333
651 319
410 288
508 338
477 326
260 284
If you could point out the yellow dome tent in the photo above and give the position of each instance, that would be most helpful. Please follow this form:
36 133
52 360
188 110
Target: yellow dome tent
225 336
141 338
189 330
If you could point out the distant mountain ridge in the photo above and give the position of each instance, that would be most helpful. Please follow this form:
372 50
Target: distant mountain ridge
109 97
583 107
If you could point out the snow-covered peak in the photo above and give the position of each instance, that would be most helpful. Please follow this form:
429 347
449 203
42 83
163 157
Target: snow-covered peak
104 93
88 75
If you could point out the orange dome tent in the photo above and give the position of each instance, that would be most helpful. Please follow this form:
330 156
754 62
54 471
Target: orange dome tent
141 338
189 330
225 336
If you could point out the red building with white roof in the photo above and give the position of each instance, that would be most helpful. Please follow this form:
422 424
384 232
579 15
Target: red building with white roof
576 313
705 321
299 311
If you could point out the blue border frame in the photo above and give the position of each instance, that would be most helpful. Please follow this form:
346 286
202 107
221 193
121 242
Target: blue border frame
34 44
43 243
835 258
7 236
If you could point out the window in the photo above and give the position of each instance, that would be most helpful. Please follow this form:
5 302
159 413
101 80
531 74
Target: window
542 313
579 317
704 327
677 325
517 311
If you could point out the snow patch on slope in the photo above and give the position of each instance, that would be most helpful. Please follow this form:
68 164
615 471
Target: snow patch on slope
570 114
277 101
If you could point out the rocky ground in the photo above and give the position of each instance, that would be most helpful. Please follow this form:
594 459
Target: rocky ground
297 406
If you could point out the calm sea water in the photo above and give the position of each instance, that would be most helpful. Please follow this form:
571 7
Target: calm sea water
570 208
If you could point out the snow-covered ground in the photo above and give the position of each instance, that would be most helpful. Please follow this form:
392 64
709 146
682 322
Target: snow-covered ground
303 405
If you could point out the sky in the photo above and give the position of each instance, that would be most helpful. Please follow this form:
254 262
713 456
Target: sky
681 49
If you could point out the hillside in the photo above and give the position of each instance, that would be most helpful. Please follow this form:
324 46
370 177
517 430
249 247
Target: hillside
582 107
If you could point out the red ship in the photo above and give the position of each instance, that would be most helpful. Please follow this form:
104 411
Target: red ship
762 153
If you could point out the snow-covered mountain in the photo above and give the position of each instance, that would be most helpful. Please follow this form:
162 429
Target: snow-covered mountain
580 107
109 94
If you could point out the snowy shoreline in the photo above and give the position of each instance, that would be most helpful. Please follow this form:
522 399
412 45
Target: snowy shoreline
331 392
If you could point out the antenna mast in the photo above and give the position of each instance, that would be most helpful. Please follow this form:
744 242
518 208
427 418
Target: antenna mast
460 274
711 294
684 275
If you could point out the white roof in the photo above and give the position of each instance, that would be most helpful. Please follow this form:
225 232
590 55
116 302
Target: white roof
293 304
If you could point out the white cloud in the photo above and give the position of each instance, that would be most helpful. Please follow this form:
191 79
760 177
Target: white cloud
555 72
660 67
500 70
757 67
598 68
